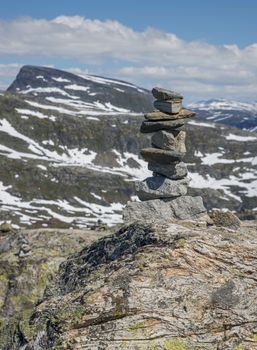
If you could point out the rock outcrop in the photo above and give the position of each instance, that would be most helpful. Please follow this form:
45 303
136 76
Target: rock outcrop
167 188
174 286
29 260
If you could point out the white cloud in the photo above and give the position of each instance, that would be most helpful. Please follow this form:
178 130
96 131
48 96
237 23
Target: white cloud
10 69
149 57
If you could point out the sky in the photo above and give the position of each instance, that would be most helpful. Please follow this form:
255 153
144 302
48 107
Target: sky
201 48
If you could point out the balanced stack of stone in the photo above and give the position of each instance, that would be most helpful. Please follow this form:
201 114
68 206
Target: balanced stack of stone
164 194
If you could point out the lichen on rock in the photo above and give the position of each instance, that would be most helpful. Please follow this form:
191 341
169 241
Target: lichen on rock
154 286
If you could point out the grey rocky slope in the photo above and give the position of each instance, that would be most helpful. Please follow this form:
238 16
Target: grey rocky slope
170 286
88 92
68 162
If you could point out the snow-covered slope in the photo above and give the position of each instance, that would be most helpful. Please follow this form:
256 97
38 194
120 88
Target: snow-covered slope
67 165
240 114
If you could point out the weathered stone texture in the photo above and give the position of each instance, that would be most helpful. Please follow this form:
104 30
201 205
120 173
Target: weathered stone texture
160 187
162 287
175 170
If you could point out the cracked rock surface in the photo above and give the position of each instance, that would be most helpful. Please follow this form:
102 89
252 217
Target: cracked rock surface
167 286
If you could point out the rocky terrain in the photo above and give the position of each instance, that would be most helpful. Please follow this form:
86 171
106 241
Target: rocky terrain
175 286
69 152
29 260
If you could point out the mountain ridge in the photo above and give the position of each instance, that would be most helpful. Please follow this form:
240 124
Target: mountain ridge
230 112
40 81
72 161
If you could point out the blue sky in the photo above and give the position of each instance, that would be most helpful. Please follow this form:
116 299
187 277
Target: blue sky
205 48
216 21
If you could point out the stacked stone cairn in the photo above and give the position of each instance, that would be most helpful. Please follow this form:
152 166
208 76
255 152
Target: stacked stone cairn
163 195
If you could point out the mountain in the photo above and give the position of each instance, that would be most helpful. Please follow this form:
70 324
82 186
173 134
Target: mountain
240 114
87 95
69 152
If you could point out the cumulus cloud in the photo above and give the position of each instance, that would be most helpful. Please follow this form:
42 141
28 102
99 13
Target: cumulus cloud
7 70
148 58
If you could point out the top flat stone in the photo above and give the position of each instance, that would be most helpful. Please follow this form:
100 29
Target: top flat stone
164 94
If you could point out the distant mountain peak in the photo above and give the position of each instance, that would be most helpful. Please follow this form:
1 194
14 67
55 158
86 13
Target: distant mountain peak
240 114
90 92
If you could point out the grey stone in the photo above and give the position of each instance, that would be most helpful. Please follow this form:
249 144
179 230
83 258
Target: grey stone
157 210
168 106
157 187
188 207
225 219
157 115
169 141
164 94
157 155
5 227
153 126
175 171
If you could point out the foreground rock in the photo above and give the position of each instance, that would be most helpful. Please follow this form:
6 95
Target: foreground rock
153 287
29 260
157 210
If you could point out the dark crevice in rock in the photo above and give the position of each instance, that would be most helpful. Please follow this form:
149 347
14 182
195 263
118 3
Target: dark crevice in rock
104 319
126 241
19 336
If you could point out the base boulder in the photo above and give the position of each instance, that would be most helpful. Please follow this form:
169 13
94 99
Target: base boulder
181 208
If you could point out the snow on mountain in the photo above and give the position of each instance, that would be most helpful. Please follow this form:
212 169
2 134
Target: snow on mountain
69 152
225 105
81 95
240 114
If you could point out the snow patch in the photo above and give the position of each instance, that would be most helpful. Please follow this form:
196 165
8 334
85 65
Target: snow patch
93 118
37 114
232 137
42 167
193 122
248 189
95 195
61 80
48 90
214 158
77 87
41 77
